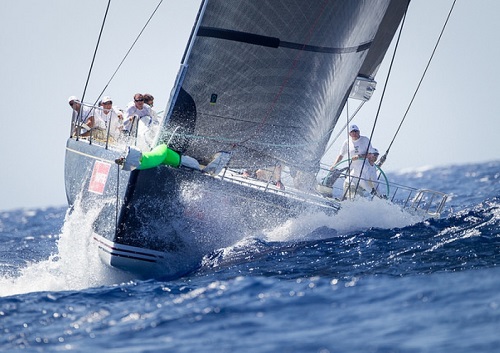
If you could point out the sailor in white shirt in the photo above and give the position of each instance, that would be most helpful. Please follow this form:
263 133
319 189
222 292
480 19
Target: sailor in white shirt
110 116
149 100
138 117
137 110
355 147
367 184
83 116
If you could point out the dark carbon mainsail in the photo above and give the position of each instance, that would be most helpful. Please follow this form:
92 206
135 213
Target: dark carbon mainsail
267 79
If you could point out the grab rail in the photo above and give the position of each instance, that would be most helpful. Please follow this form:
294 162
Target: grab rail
423 201
107 133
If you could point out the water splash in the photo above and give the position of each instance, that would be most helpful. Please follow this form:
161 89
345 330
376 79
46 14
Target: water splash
74 266
353 216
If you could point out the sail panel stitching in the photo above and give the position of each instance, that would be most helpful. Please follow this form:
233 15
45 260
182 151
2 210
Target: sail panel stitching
273 42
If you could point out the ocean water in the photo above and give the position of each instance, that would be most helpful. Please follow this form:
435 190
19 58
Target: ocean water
369 279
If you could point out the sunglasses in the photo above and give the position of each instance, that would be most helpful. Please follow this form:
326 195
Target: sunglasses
139 100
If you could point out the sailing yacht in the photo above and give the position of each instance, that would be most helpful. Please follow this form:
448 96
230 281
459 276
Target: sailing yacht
261 85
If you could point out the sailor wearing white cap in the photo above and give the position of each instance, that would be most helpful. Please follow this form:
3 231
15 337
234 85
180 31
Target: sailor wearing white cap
110 116
355 147
82 115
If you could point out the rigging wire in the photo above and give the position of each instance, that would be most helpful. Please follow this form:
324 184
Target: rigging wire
383 158
396 46
349 119
347 130
117 201
382 99
90 72
348 176
107 84
422 78
128 52
95 50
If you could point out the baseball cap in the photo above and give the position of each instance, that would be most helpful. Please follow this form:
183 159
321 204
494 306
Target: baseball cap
354 128
73 98
106 99
373 150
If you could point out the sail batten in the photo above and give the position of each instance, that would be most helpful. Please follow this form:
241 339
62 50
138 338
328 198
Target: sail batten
267 79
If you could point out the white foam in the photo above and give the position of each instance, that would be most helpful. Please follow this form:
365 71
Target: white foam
353 216
75 266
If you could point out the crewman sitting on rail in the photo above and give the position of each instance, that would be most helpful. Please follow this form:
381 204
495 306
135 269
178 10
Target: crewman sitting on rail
268 174
84 119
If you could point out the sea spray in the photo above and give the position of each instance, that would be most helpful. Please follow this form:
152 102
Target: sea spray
353 216
75 265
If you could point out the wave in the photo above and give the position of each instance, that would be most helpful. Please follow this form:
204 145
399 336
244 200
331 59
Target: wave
466 240
363 238
72 265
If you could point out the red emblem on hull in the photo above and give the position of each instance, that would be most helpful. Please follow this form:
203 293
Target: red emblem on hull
99 177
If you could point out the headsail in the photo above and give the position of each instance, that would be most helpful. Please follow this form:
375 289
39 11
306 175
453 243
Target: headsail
267 79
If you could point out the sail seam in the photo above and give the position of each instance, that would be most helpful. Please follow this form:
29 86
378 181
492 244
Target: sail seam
273 42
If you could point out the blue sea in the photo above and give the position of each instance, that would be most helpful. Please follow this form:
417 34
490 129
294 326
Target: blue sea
369 279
